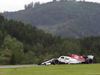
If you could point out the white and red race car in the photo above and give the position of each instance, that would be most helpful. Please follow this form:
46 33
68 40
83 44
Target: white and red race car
70 59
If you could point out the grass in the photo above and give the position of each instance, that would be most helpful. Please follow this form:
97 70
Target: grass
78 69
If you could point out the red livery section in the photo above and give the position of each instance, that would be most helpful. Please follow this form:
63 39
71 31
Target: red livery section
80 58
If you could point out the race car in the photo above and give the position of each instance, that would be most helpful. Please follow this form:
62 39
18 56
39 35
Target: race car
70 59
74 59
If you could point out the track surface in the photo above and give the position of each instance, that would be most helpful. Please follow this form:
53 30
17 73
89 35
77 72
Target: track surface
17 66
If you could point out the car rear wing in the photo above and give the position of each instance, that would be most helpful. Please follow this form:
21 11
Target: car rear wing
90 56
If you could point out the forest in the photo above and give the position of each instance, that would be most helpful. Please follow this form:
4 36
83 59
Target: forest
67 19
25 44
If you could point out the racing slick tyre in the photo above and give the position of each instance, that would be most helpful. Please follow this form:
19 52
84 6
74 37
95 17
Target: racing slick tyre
55 62
89 61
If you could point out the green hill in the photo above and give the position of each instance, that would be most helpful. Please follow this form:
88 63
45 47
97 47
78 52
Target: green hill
25 44
68 19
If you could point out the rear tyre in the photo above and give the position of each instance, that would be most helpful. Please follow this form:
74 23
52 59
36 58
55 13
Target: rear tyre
89 61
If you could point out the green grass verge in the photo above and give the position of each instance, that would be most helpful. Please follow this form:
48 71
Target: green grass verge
78 69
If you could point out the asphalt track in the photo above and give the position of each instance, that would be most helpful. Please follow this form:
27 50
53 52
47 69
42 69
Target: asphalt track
15 66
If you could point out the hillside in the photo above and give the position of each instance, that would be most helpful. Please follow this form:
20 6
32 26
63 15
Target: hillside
25 44
68 19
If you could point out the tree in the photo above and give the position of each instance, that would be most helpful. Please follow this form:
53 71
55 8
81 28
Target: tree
70 47
95 50
30 58
36 4
5 56
29 6
1 19
62 0
54 0
15 46
1 38
13 61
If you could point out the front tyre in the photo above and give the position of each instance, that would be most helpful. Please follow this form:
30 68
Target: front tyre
55 62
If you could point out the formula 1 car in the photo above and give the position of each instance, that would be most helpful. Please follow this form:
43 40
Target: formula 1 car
70 59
